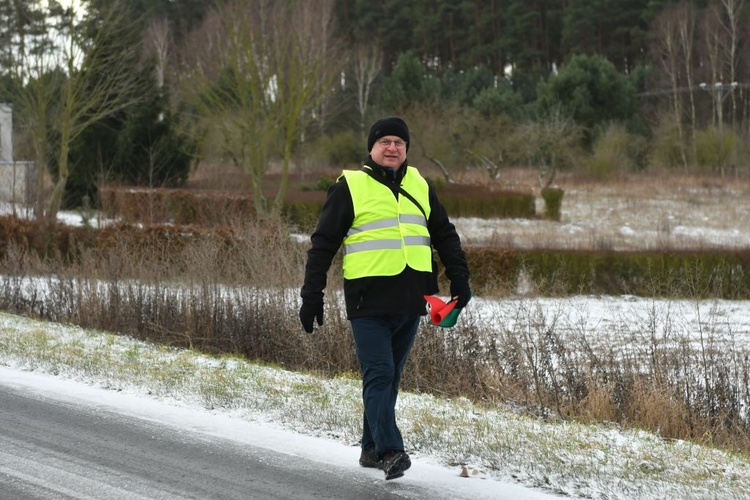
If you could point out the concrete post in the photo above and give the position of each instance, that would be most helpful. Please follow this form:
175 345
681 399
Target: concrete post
6 133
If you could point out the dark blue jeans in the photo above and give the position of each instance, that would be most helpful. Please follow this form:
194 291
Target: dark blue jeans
383 344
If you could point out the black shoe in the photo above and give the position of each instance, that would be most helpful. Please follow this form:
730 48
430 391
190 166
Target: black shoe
394 463
369 458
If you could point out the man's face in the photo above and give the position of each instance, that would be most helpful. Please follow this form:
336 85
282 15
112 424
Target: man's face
389 151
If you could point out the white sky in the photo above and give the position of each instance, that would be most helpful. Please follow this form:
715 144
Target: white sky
68 3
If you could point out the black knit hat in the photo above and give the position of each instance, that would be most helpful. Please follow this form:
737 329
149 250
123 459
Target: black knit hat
391 125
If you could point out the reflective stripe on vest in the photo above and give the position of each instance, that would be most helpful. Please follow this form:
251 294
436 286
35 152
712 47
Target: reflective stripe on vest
387 233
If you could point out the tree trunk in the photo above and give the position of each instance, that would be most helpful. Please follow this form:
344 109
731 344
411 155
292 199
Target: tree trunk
56 198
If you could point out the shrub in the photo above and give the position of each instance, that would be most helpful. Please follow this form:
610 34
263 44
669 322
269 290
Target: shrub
321 184
553 202
667 149
715 150
44 240
615 151
178 206
342 149
476 201
301 206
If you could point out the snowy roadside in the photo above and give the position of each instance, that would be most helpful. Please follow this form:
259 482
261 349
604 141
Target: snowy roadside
495 447
495 444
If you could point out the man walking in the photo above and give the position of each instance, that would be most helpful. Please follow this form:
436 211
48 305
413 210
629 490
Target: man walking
388 220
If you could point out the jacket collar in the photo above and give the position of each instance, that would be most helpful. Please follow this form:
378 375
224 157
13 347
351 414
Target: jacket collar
385 173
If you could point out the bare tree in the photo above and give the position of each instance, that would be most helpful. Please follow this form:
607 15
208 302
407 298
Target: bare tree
157 45
731 23
318 17
255 72
434 128
367 62
99 82
669 53
27 64
550 143
68 78
713 36
685 18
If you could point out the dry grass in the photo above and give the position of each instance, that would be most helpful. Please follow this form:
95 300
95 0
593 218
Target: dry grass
241 296
191 300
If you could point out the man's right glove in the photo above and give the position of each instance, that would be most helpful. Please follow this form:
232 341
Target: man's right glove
309 311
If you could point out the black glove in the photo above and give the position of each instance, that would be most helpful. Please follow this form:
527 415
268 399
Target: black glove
309 311
460 289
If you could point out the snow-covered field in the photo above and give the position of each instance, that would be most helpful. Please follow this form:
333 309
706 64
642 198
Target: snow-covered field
641 215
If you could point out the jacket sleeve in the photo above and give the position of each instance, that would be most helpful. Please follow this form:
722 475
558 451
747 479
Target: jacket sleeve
446 241
335 220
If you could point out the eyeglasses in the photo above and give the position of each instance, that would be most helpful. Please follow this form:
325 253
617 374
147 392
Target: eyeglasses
385 143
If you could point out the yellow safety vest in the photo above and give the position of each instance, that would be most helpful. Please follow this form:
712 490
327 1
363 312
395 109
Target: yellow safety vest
387 233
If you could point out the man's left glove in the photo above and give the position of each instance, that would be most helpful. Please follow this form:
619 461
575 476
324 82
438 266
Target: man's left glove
309 311
460 289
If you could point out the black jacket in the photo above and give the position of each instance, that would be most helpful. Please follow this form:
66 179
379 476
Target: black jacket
380 295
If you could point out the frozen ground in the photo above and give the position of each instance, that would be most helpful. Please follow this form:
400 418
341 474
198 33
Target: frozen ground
425 474
630 215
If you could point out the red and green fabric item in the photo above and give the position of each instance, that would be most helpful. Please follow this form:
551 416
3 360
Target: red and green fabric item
443 314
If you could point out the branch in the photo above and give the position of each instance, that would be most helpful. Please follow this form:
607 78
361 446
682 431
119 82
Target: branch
492 169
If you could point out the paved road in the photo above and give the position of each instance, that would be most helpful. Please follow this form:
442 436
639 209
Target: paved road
51 449
60 439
